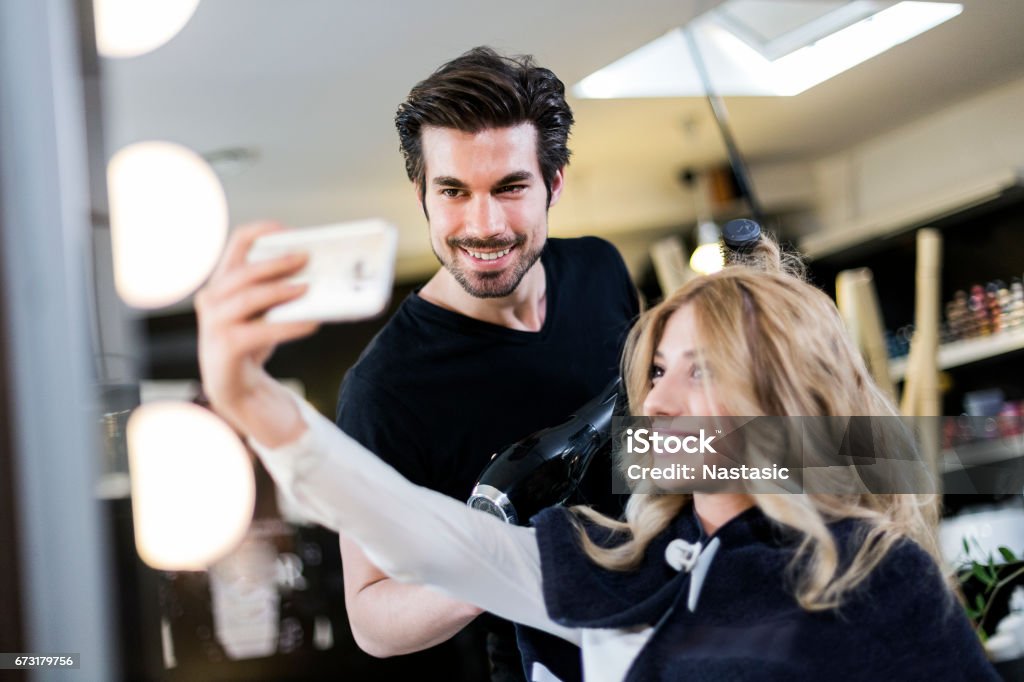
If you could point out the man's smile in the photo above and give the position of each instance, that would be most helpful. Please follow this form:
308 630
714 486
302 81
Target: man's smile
488 256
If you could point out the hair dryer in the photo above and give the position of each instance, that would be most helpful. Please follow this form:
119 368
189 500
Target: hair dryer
545 468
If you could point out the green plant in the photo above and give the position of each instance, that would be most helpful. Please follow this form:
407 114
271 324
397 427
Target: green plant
989 573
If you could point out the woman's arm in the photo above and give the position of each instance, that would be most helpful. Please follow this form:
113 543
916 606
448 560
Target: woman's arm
414 534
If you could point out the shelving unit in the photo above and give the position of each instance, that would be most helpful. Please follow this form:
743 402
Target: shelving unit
919 213
965 352
982 225
982 452
989 468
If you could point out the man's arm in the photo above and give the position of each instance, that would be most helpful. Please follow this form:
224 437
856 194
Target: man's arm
390 618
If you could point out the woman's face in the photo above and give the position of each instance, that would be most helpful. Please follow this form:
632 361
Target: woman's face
679 382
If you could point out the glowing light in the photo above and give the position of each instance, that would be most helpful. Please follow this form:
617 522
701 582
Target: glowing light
664 67
168 222
830 56
707 257
192 483
128 28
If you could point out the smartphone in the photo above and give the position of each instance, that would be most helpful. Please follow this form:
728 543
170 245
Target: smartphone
350 270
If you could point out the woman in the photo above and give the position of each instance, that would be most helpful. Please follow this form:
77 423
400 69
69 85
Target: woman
721 586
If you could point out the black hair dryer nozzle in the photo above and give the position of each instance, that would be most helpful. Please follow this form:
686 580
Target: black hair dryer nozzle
546 467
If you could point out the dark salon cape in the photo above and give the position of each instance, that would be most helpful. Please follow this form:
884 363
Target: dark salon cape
901 623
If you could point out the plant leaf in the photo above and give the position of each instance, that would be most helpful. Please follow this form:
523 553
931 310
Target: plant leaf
981 574
979 601
1008 554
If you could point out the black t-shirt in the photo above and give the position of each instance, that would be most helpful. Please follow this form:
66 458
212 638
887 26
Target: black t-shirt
436 393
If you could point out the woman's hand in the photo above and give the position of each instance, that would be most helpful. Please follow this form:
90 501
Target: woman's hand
235 342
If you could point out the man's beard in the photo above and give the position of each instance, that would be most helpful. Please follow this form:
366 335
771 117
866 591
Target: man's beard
497 284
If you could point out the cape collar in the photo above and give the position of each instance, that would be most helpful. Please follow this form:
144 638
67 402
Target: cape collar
579 593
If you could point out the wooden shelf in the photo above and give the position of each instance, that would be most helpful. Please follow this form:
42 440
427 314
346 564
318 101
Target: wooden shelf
967 351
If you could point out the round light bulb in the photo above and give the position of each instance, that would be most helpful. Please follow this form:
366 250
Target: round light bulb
128 28
168 222
192 483
707 258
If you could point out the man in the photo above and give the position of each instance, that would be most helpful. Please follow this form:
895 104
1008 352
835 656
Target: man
512 334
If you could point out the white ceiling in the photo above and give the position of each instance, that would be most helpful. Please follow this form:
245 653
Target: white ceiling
313 84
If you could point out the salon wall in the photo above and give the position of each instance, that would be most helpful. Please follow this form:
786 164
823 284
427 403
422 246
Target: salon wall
965 144
906 170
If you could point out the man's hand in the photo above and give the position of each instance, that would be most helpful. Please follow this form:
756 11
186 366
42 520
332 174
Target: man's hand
235 342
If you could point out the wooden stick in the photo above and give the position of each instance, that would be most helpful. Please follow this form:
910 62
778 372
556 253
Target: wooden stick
872 331
858 304
846 301
911 383
670 263
923 373
926 322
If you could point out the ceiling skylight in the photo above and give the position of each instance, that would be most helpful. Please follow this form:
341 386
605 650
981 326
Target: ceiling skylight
766 47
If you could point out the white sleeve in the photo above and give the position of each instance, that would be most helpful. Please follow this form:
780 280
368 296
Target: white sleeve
412 533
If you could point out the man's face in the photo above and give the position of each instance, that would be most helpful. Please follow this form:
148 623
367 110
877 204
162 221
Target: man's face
486 204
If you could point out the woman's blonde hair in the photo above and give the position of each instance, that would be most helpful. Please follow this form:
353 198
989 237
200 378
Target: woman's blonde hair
776 346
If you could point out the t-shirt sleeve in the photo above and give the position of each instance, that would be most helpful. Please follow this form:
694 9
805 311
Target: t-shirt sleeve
620 292
381 423
615 281
629 293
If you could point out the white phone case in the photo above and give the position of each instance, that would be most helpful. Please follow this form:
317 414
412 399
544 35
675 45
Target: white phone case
350 269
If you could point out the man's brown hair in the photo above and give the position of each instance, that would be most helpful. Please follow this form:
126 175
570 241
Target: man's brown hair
482 89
